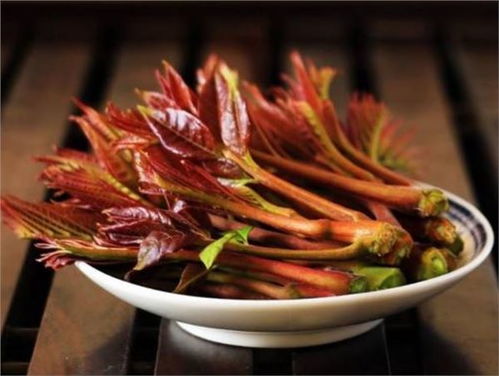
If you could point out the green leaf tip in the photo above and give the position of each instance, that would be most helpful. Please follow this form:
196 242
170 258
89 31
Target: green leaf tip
210 253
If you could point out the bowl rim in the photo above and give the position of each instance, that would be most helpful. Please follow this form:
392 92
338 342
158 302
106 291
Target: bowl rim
416 287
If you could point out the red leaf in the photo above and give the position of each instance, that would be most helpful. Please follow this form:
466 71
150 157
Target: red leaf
75 155
88 183
29 220
307 89
97 120
57 259
137 213
107 158
181 133
156 245
176 89
208 110
183 172
130 121
233 116
223 168
280 124
190 275
126 233
207 71
66 251
157 100
131 142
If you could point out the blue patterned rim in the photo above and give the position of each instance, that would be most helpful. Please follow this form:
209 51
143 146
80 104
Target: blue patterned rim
468 223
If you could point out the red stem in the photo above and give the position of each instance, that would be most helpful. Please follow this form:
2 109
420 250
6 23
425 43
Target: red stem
337 282
381 212
310 200
291 291
226 291
345 253
260 235
358 156
347 232
412 199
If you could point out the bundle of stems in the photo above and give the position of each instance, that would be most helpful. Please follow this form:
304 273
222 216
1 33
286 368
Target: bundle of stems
189 179
350 157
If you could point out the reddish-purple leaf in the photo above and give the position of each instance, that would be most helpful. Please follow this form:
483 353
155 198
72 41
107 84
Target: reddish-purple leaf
307 89
40 220
57 259
130 121
191 274
88 183
156 100
279 125
156 245
223 168
107 158
97 120
75 155
137 213
181 133
176 89
208 109
183 172
233 116
207 70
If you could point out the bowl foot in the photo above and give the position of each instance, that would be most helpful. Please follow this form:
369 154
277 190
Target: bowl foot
302 338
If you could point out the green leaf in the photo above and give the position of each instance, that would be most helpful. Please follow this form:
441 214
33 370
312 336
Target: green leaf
241 235
210 253
236 183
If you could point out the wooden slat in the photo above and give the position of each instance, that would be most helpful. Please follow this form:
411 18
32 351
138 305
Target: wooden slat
362 355
459 327
325 44
95 326
477 59
84 330
180 353
337 358
244 48
33 121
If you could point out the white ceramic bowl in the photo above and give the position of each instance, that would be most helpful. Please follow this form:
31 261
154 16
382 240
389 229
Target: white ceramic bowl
302 322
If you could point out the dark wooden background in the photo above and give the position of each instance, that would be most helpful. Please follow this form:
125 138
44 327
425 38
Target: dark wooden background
435 64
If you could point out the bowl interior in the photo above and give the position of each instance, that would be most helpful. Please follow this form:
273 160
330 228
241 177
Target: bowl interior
471 224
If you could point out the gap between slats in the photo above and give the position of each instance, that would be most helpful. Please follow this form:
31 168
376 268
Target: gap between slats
179 352
331 49
28 303
469 131
127 342
401 329
16 52
410 81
